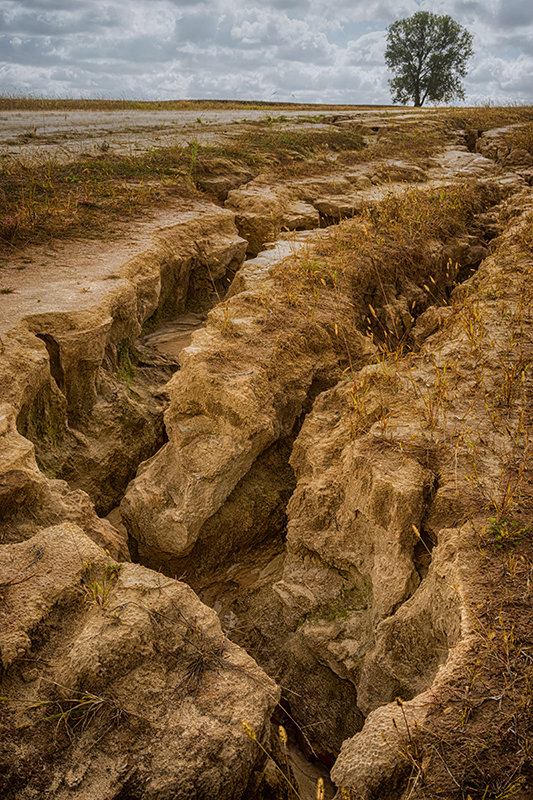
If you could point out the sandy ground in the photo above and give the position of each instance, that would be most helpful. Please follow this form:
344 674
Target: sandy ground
72 275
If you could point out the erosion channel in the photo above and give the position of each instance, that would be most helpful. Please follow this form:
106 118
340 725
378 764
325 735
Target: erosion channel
247 449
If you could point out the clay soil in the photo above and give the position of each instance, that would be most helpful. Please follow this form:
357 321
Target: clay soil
315 455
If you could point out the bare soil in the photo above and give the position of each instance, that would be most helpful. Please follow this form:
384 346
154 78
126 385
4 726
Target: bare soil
333 443
75 274
36 136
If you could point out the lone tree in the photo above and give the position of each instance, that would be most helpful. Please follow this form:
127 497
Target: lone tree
428 53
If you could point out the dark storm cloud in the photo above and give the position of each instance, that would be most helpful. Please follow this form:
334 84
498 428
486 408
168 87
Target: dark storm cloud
286 49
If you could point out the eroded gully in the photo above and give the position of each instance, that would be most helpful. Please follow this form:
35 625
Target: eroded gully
239 586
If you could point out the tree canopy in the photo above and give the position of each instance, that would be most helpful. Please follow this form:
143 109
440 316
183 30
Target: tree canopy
428 53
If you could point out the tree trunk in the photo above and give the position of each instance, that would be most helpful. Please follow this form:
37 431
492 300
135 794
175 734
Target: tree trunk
417 94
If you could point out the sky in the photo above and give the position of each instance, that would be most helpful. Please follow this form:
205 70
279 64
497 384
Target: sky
279 50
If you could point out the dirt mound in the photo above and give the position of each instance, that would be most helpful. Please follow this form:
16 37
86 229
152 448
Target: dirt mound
140 692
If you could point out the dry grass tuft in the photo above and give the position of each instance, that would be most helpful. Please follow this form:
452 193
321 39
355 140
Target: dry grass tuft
482 728
355 274
484 118
32 103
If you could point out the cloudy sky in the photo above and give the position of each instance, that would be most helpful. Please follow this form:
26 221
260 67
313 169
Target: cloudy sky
295 50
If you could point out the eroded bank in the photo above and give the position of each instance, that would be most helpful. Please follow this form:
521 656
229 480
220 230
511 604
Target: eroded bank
321 591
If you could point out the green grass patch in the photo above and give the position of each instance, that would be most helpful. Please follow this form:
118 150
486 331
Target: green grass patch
126 363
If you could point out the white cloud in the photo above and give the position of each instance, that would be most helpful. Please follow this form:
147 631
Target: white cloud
287 49
367 50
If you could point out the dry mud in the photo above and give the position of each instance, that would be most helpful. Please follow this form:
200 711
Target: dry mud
64 135
219 513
